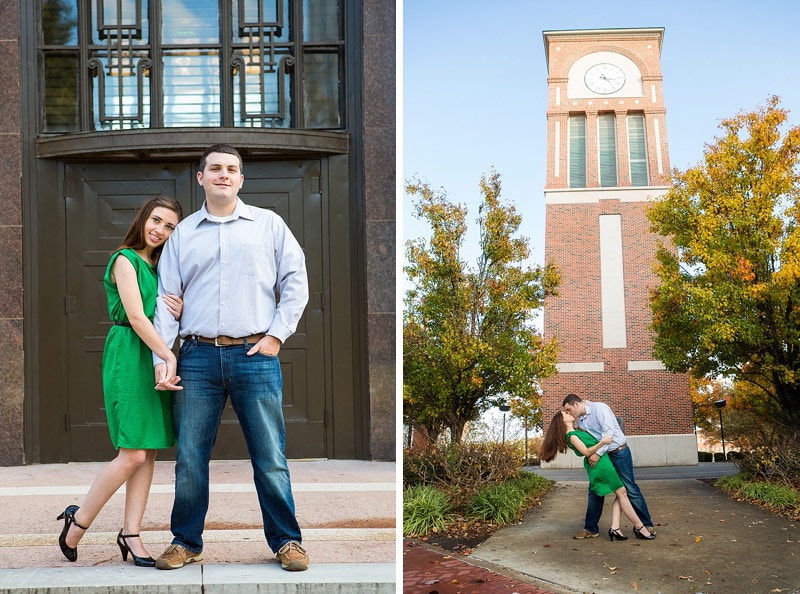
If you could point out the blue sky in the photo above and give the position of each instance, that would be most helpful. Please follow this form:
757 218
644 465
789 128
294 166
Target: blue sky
474 86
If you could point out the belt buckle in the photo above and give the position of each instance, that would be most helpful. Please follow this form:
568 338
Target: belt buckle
216 342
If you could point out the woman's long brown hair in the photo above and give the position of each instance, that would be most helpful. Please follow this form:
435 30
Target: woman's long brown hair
134 238
554 439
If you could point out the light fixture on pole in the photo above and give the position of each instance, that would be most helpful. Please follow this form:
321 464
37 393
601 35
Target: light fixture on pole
719 405
505 408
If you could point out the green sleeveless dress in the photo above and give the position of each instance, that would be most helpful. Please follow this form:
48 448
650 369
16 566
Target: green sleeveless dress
603 477
139 416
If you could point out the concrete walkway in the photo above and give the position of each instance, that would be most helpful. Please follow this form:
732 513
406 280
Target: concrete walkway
346 510
706 541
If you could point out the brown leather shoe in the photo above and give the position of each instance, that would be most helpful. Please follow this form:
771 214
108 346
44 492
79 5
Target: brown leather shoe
176 556
293 557
584 533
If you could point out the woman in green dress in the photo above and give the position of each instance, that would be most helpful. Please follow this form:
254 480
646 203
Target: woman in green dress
139 414
603 477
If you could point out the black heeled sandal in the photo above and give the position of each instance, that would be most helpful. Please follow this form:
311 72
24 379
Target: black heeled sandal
68 515
125 549
639 535
615 533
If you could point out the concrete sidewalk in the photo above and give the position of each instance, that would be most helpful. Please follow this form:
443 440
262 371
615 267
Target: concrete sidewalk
346 510
706 541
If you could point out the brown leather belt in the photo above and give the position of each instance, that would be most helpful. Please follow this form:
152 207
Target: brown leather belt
619 449
221 341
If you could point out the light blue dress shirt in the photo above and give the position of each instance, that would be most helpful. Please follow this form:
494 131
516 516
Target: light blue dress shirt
238 275
599 420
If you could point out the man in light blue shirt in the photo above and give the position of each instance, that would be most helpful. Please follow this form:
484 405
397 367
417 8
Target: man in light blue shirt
242 276
598 419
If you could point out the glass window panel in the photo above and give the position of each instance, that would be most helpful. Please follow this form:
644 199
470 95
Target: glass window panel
264 92
321 90
60 22
321 20
191 88
607 147
190 22
246 19
118 25
61 93
637 147
577 151
116 94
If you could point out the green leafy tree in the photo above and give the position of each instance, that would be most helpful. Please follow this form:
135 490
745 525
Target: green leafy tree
468 335
728 303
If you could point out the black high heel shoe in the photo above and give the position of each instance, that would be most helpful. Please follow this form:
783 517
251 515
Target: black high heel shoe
68 515
638 533
615 533
125 549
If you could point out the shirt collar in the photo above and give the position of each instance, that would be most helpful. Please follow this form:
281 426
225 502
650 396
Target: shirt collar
240 211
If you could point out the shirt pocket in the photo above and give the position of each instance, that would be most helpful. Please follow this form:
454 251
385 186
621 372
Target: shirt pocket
253 260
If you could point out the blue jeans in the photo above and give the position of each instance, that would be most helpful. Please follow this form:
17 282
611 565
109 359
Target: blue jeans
623 462
209 375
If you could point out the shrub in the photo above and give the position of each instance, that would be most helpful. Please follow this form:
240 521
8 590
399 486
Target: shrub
719 457
704 457
425 510
777 497
533 484
462 468
775 461
733 483
501 503
504 503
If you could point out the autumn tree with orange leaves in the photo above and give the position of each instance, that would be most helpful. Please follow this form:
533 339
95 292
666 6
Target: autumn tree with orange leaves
728 303
468 334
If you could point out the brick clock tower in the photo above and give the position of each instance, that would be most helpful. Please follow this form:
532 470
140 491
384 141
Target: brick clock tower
606 158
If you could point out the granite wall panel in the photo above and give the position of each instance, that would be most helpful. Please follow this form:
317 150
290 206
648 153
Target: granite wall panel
9 90
12 388
10 189
379 121
9 19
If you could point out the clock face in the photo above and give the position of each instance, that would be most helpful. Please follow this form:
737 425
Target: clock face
604 78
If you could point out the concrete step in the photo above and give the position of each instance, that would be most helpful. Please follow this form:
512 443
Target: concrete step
346 510
322 578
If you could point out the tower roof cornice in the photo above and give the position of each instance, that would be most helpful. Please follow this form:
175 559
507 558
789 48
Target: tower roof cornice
607 34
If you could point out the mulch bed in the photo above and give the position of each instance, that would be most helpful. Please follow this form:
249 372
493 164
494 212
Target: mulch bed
462 536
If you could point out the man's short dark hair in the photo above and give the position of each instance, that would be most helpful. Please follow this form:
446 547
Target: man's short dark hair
571 399
220 148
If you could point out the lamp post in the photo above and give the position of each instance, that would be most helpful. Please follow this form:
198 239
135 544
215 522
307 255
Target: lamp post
719 405
505 408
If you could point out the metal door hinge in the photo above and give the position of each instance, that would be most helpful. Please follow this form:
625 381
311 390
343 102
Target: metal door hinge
66 422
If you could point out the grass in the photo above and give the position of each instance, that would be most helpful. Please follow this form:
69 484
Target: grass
778 498
427 510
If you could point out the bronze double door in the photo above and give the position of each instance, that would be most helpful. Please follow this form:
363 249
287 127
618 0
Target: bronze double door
100 203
